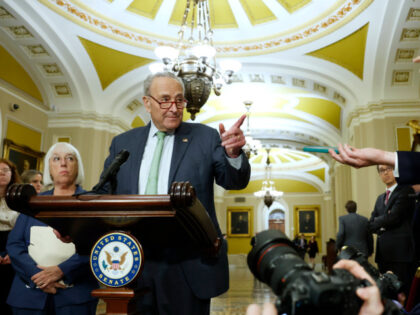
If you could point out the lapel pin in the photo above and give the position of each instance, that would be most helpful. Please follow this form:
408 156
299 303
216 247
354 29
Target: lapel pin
184 140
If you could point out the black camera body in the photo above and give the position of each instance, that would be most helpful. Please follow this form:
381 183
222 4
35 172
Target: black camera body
300 290
388 283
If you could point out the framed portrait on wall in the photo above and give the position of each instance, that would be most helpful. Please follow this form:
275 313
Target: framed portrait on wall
307 220
24 157
239 222
416 143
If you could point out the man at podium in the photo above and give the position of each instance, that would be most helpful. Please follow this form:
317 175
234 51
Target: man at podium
168 150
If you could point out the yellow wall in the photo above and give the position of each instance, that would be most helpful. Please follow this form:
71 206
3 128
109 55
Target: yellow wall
93 146
25 126
240 244
29 126
23 135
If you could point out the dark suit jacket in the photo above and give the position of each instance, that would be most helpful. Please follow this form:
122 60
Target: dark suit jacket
395 240
23 293
354 231
408 167
198 158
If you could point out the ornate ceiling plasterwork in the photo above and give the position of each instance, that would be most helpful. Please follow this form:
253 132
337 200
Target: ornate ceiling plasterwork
328 21
44 39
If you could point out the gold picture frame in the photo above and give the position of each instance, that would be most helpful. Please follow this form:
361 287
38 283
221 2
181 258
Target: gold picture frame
239 222
23 157
307 220
415 147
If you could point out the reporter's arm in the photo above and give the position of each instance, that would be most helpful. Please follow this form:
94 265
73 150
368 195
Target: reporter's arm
362 157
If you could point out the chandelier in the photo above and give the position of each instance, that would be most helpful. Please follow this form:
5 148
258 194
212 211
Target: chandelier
251 145
194 60
268 190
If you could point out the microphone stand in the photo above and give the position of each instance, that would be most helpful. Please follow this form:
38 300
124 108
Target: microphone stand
113 182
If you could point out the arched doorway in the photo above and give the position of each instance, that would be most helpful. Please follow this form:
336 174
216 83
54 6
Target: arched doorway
276 220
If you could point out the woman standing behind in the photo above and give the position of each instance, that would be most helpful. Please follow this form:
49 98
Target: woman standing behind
312 250
8 176
61 288
34 178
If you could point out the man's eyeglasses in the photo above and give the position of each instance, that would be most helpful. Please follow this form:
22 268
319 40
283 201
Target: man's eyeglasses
385 170
180 104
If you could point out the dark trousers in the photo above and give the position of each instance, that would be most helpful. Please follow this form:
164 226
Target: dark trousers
88 308
169 292
6 275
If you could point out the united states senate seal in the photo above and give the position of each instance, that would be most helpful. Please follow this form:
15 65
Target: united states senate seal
116 259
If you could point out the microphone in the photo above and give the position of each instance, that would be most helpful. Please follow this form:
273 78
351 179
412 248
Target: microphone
112 170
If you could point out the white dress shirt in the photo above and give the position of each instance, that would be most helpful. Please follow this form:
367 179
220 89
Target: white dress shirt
7 217
165 161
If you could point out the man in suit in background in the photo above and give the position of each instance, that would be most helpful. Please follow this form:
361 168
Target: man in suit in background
391 221
354 231
181 281
301 245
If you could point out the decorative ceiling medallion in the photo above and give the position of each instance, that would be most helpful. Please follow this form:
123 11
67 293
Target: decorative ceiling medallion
405 55
236 77
339 98
298 82
410 34
344 14
320 88
51 69
259 78
133 106
62 90
413 14
36 50
278 79
105 26
314 139
4 14
19 32
401 77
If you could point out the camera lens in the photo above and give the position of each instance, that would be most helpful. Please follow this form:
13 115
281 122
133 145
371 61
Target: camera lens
273 259
300 290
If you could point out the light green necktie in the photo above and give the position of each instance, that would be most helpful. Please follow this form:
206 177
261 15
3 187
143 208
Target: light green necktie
152 181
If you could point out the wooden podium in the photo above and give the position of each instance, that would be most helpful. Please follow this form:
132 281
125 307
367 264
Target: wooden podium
175 220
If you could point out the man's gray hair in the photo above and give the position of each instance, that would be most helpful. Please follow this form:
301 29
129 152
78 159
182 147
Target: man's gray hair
148 82
68 148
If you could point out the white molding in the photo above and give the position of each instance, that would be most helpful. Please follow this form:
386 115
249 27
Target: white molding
28 100
87 120
397 108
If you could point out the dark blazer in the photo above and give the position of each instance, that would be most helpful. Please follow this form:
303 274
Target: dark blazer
408 167
23 293
199 158
392 223
353 230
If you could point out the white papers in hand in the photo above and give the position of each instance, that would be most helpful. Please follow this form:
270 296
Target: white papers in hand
46 249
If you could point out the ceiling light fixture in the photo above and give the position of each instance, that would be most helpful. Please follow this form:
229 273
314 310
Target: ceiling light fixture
252 145
268 190
194 59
